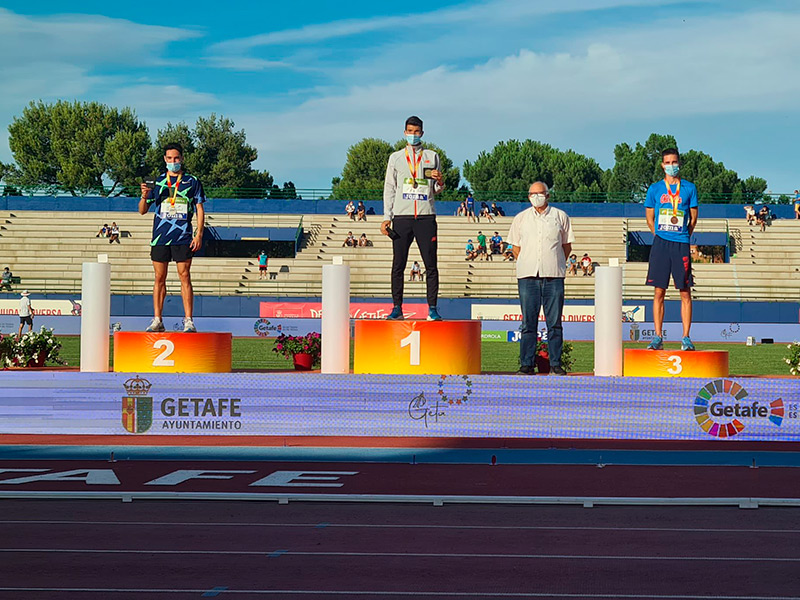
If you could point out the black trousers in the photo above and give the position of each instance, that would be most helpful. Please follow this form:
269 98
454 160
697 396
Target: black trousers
423 229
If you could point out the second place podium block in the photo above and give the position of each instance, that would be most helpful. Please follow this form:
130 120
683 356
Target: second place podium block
417 347
170 352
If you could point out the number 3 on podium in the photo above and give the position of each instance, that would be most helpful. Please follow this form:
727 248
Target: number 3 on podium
413 340
676 367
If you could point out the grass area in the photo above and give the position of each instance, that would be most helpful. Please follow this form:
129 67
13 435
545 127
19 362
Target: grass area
249 353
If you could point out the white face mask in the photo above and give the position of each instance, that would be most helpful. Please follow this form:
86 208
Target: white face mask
538 200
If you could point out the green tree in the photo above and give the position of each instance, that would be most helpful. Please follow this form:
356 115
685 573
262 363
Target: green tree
512 166
636 168
216 154
76 146
364 171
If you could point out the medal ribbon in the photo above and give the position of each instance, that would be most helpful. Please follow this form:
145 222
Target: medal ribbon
413 167
675 198
172 195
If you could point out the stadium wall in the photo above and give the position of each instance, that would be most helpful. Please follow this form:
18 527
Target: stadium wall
452 308
336 207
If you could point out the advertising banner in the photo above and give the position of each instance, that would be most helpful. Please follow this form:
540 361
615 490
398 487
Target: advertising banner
481 406
358 310
43 306
572 313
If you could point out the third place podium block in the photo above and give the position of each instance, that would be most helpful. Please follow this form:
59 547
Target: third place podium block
675 363
417 347
170 352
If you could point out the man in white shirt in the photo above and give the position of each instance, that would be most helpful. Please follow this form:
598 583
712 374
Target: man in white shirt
542 238
25 312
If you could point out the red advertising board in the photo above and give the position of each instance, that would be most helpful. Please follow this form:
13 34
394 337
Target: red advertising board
358 310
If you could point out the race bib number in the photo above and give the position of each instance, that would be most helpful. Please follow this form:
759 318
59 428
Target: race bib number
669 220
419 193
179 210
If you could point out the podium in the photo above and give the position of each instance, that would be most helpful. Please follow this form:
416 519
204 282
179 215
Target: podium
669 363
417 347
171 352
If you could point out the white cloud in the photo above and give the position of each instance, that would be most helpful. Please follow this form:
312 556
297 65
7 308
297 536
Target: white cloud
611 77
166 101
488 11
68 57
82 39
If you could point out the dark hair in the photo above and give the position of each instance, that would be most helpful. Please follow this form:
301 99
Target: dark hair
669 151
415 121
174 146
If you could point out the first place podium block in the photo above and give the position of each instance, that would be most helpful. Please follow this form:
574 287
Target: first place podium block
170 352
417 347
669 363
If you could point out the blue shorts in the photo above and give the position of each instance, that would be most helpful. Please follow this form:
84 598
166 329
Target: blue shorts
670 258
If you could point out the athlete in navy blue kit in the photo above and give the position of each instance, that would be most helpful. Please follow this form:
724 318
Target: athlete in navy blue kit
671 208
177 197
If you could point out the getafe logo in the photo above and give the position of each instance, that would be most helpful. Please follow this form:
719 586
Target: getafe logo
262 328
722 419
137 406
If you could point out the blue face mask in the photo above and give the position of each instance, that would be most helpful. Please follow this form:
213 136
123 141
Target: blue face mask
173 167
672 170
413 139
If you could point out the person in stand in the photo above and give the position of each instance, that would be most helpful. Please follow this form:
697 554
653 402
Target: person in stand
496 243
587 266
482 254
572 264
26 313
350 210
5 280
361 211
470 251
177 196
415 271
542 238
350 240
263 260
471 209
114 237
671 209
413 178
363 241
763 218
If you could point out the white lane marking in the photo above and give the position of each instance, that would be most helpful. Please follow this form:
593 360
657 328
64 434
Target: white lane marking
789 559
401 526
400 593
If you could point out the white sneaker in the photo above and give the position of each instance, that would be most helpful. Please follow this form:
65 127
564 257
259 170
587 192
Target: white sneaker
188 326
156 326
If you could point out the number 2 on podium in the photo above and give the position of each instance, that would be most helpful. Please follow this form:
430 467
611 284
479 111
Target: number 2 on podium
161 359
413 340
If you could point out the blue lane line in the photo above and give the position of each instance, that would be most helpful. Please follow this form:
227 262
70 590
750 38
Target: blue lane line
322 525
215 591
404 455
277 553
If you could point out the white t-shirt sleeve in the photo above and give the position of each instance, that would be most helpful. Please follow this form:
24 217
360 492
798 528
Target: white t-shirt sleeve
567 235
514 233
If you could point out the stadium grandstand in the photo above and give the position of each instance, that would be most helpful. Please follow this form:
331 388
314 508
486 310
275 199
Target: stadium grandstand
45 249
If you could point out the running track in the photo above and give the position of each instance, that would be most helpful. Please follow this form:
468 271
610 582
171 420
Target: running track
103 549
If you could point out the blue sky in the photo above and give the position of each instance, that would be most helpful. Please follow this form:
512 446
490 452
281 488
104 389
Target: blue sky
308 79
